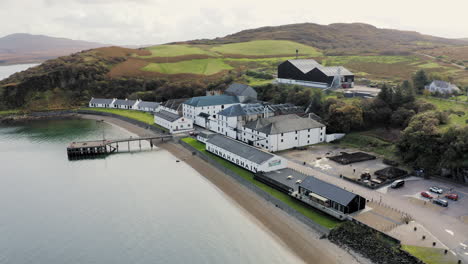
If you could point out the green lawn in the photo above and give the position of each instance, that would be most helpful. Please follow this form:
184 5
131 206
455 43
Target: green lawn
430 255
316 216
175 50
203 67
9 112
133 114
267 47
444 105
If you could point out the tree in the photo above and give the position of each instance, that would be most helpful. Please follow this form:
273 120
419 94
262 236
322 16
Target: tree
385 93
344 118
408 92
420 80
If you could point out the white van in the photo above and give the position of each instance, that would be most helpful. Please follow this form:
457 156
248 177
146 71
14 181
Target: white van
397 184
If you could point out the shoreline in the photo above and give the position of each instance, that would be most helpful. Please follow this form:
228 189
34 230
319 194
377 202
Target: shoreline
295 236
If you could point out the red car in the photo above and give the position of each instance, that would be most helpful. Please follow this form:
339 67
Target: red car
452 196
426 195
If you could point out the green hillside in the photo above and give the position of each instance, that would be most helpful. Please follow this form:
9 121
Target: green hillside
267 48
201 67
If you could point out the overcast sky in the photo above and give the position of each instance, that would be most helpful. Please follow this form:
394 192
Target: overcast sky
160 21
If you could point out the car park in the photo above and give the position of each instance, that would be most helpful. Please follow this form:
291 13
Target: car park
426 195
452 196
397 184
436 189
440 202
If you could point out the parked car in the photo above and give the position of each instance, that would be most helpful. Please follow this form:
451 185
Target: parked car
397 184
436 189
452 196
440 202
193 133
426 195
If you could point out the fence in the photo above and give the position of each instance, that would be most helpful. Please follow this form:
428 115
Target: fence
278 203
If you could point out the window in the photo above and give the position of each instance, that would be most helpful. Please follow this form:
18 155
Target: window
282 134
282 140
308 141
296 132
295 138
308 136
308 130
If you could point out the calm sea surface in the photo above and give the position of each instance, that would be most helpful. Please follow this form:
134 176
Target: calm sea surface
139 207
6 71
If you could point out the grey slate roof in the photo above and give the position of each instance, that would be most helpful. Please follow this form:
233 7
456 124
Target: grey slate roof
286 109
212 100
147 104
282 124
238 148
327 190
243 110
174 103
306 65
124 102
100 101
166 115
240 89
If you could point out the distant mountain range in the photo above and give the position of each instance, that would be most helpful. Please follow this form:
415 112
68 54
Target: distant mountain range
27 48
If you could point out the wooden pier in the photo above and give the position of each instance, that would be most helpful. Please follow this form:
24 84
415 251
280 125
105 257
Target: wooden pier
106 146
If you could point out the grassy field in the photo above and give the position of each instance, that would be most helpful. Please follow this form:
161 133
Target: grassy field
201 67
444 105
430 255
175 50
316 216
9 112
267 48
342 60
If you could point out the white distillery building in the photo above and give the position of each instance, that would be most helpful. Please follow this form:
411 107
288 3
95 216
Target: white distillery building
203 108
243 155
173 122
123 104
230 121
101 102
146 106
283 132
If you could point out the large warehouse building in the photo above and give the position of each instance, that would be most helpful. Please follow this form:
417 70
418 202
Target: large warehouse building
309 72
243 155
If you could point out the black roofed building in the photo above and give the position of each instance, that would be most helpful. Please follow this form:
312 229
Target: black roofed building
243 92
101 102
243 155
173 122
322 195
313 190
283 132
309 72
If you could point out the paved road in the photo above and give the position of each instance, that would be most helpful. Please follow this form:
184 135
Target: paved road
443 223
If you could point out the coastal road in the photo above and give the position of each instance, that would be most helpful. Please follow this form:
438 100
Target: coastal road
444 224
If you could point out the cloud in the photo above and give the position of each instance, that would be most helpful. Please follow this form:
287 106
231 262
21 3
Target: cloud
160 21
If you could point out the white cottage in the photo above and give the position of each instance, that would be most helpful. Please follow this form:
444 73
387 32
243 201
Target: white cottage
123 104
101 102
146 106
173 122
442 87
283 132
243 155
